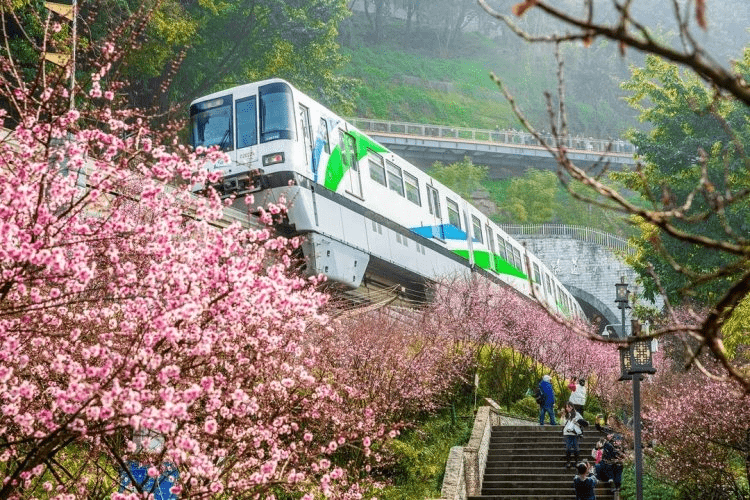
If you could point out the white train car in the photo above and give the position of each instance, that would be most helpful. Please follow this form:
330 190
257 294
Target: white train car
364 211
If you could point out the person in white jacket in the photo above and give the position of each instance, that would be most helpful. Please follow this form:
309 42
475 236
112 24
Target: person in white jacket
578 396
571 431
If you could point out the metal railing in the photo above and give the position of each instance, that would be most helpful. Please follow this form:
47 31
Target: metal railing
580 233
498 136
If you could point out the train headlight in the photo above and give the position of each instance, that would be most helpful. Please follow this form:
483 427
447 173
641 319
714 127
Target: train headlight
273 159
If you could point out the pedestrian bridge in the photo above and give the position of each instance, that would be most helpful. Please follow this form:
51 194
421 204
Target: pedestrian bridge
588 262
506 152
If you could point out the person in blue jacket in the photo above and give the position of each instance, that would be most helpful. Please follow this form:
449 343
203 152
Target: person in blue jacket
548 405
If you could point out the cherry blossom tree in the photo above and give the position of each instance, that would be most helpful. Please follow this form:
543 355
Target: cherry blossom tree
487 314
141 330
703 444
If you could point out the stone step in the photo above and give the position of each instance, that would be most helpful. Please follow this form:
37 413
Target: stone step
537 489
563 475
529 444
528 463
502 466
558 495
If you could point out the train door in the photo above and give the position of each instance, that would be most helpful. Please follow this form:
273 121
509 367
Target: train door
351 168
433 204
306 130
491 245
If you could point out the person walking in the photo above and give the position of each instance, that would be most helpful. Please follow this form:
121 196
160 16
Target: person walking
578 396
548 400
584 483
571 431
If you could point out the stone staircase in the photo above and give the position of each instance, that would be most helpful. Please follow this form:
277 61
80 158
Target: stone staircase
527 462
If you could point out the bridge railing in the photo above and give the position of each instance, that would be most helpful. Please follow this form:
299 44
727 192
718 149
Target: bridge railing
580 233
499 136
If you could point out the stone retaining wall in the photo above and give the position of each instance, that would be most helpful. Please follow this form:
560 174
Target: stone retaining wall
465 467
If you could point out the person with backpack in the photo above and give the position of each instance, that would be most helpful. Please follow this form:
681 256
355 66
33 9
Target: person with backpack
572 431
547 404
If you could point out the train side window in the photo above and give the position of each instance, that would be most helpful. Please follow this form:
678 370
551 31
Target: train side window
375 163
324 135
537 276
501 248
549 285
247 122
517 258
412 189
395 180
433 202
453 216
477 228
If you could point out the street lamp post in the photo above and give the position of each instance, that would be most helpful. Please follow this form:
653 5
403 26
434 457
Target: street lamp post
635 360
621 297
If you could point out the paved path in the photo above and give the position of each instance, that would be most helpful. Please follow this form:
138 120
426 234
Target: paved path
505 420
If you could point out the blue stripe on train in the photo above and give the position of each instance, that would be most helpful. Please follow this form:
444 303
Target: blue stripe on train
442 231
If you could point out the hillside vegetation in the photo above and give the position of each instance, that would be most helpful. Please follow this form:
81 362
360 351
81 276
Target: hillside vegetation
409 77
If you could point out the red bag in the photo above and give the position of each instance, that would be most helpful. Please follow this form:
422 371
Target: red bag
572 386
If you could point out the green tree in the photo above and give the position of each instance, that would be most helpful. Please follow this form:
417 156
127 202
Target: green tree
463 177
531 198
249 40
193 47
694 155
736 330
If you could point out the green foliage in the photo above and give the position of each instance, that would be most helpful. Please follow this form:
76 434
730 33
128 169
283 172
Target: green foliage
736 329
398 85
530 199
456 83
505 375
526 407
421 454
462 177
653 489
692 130
269 38
538 197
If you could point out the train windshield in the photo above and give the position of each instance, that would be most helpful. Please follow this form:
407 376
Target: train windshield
276 112
211 123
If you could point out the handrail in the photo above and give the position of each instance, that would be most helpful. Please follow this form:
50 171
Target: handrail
501 136
580 233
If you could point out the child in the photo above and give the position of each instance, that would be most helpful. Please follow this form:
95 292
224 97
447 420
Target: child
596 453
583 483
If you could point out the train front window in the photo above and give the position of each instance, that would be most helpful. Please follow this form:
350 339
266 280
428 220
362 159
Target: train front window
211 123
276 112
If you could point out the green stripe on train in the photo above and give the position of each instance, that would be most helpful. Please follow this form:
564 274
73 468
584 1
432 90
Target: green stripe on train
335 169
482 259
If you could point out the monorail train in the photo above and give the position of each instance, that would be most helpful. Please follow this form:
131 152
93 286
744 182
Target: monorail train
365 212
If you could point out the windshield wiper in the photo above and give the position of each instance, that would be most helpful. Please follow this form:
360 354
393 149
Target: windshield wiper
225 140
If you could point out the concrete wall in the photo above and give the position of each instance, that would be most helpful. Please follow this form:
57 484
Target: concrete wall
588 270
